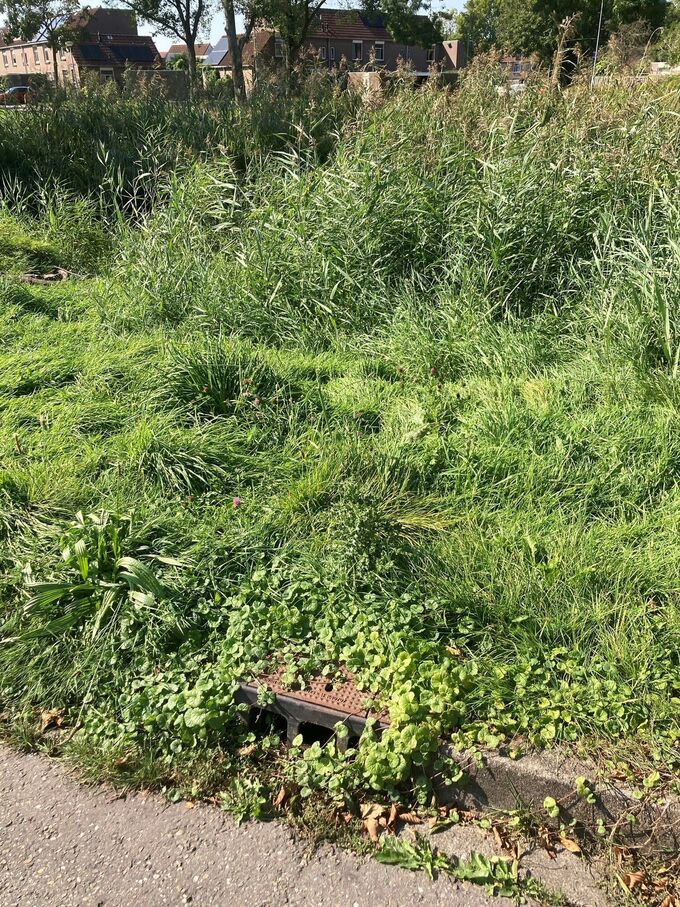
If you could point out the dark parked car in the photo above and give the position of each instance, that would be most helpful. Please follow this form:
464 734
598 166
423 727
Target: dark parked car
18 94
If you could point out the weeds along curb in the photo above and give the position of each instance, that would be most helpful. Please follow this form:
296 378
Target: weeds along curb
503 784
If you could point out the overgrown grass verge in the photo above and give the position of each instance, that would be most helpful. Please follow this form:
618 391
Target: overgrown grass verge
409 408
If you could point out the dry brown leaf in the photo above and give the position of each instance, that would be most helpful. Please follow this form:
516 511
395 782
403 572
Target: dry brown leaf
382 822
372 810
432 822
281 797
371 826
497 837
670 901
51 717
632 879
394 815
411 819
188 804
570 845
246 750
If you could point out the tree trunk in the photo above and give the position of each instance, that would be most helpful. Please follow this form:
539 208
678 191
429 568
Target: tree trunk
55 67
191 60
235 51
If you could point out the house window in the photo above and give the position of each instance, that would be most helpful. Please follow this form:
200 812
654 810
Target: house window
106 75
357 51
322 52
516 68
36 56
379 51
25 58
332 55
46 54
5 59
278 49
14 58
430 54
62 54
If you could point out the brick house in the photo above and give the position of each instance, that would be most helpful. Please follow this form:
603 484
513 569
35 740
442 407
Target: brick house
180 50
516 68
109 42
344 34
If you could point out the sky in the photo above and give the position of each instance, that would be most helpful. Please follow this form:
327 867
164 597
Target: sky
217 25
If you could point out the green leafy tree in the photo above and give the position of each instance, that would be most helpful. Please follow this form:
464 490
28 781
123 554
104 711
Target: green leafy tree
55 22
182 19
536 27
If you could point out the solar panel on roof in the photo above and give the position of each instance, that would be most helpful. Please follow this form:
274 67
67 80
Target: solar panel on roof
214 58
92 53
133 53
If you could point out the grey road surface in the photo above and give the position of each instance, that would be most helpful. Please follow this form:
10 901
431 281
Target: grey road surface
63 843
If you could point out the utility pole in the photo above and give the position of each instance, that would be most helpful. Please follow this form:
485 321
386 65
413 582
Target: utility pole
597 43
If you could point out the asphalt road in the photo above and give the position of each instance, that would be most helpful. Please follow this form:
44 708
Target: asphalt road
63 843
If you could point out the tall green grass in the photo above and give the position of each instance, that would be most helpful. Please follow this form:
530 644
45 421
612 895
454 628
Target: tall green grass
407 405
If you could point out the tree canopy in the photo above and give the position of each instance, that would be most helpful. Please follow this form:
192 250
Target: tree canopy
182 19
531 27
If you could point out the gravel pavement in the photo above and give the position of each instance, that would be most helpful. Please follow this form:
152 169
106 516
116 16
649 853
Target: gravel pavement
63 843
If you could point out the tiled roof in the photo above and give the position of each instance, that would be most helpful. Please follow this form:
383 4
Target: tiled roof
349 24
178 50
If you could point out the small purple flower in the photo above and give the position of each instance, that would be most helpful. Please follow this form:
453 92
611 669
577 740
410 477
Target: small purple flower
237 503
256 401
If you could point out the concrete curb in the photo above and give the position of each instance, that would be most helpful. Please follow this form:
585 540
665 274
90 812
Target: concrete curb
504 784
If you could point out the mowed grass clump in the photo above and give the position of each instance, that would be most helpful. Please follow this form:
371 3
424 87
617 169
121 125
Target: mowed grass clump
410 409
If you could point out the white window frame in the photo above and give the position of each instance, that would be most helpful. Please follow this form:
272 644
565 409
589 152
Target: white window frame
36 56
379 46
360 58
5 59
46 54
332 55
14 58
278 48
322 53
430 54
516 68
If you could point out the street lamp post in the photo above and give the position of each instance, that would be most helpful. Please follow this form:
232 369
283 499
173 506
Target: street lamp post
597 43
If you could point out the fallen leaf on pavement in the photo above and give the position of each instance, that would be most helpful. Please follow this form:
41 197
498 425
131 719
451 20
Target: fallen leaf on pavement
411 819
371 826
570 845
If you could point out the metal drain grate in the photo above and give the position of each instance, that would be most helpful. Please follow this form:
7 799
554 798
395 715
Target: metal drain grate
322 704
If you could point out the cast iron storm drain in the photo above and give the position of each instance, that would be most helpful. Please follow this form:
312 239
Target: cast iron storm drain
314 711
